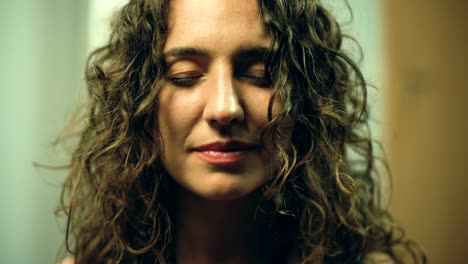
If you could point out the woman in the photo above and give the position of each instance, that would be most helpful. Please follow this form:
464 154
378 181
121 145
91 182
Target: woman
220 132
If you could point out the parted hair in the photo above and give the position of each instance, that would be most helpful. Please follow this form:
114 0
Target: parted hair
327 191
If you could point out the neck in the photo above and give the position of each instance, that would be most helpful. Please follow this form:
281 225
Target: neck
221 231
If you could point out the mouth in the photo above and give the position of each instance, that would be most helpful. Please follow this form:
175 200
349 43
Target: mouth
228 146
225 153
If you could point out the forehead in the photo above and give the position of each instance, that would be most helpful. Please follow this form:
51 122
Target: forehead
216 24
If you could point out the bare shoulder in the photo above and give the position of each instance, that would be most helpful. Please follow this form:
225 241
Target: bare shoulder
69 260
378 258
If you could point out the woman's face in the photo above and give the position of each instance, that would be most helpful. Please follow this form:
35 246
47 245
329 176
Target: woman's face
213 106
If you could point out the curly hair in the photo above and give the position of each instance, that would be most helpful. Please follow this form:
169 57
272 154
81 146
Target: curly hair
327 191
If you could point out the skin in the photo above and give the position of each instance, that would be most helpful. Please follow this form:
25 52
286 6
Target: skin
224 98
216 91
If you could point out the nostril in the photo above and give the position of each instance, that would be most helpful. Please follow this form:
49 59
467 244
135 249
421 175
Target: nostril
226 118
223 117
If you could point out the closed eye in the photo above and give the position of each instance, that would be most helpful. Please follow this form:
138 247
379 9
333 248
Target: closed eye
252 70
258 80
184 80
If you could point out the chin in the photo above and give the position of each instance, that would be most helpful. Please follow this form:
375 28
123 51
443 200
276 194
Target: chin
226 191
219 185
223 187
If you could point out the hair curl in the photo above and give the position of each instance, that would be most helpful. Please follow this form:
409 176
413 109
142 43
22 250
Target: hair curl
328 203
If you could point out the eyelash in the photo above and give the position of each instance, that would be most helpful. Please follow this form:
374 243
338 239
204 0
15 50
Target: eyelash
262 81
187 81
184 81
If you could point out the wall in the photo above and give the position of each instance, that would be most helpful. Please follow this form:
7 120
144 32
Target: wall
42 48
427 128
365 26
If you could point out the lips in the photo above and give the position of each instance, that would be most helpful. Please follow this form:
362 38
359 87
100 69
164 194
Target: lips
225 153
227 146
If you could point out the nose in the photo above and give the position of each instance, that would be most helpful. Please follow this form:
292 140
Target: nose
223 104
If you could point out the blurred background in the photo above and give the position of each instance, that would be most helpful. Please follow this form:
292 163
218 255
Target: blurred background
414 53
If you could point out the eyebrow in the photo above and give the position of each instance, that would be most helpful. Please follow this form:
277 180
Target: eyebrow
244 52
187 52
251 53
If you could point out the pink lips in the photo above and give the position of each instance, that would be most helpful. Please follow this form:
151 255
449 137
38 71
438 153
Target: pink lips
225 153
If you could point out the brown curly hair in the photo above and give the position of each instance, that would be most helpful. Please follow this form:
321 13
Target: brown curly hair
327 191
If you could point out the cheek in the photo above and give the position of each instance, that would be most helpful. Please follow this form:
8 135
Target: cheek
285 126
287 123
176 111
256 104
258 111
